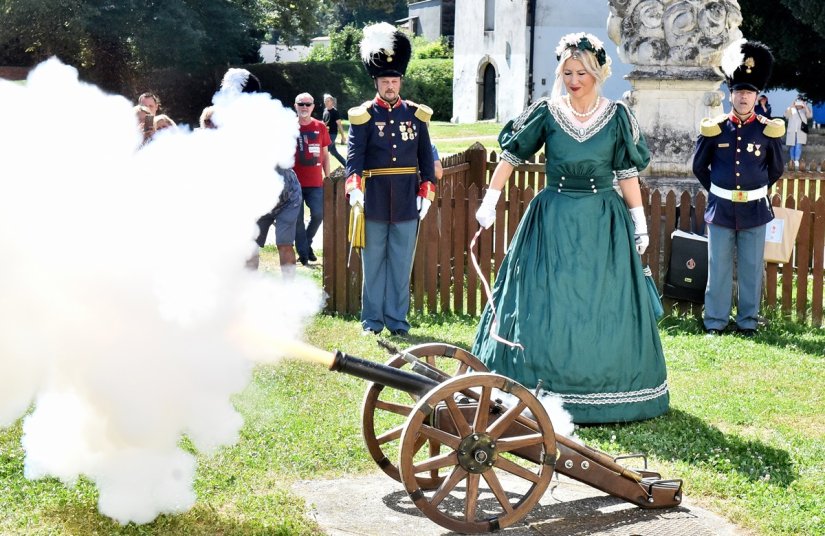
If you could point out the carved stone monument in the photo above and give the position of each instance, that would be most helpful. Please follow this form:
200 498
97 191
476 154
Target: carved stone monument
675 48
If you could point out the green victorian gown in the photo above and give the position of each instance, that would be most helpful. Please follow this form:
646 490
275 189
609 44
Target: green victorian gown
571 289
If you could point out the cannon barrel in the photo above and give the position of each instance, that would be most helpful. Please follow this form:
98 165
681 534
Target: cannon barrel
409 382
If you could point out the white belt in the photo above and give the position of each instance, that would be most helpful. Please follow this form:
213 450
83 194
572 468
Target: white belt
739 196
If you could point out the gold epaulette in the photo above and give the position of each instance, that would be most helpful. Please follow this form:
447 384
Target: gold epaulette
774 128
358 115
709 127
422 111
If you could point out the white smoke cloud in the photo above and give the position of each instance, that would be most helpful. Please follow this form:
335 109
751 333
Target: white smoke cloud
560 418
123 284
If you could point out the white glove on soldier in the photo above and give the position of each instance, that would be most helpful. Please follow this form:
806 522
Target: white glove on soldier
639 221
423 205
486 213
356 196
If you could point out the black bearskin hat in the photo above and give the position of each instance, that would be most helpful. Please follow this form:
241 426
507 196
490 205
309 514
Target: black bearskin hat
747 65
385 51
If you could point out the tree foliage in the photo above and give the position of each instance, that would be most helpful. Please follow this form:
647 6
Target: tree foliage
362 12
291 22
426 50
343 46
795 32
430 81
110 42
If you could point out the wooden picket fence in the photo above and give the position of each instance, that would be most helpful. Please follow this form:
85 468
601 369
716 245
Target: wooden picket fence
445 281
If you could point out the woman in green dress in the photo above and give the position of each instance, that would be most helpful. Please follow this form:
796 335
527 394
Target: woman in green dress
570 295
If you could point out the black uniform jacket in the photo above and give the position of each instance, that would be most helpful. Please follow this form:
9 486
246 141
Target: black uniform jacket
735 156
383 137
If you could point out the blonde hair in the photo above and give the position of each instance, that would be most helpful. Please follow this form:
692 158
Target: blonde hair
206 118
591 65
162 118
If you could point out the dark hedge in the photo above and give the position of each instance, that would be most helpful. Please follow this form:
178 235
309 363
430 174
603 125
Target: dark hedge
184 95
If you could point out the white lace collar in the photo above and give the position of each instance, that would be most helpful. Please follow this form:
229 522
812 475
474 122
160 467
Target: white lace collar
582 131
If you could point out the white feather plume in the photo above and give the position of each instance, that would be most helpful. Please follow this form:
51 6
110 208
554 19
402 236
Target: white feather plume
377 37
732 56
234 80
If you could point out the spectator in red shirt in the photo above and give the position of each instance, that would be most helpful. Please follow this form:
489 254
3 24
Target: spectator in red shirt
312 167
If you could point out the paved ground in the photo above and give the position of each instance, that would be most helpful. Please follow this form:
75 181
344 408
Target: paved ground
376 505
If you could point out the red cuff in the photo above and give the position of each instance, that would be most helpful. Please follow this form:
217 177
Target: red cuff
352 183
427 190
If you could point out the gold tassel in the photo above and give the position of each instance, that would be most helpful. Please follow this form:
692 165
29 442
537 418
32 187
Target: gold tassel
357 236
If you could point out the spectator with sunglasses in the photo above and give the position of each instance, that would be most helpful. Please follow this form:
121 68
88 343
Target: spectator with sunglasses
312 167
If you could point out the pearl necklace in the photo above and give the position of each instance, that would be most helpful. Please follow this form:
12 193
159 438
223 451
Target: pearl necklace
588 113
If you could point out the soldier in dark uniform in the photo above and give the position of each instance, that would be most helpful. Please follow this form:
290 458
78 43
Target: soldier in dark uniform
738 157
390 173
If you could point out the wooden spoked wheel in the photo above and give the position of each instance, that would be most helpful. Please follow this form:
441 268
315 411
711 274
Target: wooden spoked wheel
385 410
479 455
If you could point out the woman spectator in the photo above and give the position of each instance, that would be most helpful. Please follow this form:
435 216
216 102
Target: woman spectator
763 108
205 120
145 121
797 115
332 119
163 121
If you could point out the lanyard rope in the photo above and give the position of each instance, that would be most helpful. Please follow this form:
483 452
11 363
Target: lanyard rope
489 294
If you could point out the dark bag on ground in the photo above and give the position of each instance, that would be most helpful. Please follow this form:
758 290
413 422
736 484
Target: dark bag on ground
687 270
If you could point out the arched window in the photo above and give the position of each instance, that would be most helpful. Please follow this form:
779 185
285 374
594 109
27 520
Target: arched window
488 93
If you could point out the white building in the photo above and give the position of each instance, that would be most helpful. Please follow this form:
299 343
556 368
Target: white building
287 54
431 19
497 42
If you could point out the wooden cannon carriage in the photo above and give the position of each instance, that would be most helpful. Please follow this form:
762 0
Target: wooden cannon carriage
438 410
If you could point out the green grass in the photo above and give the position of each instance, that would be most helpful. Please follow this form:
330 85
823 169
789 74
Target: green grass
745 432
453 138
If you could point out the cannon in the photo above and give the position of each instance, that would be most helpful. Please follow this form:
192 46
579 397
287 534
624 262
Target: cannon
441 413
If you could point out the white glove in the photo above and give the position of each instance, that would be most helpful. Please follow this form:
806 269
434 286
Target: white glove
486 213
423 205
356 196
639 221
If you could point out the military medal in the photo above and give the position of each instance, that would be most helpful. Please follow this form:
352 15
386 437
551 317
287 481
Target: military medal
750 147
380 128
758 152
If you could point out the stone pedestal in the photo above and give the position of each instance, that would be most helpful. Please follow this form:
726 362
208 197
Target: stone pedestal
675 47
669 105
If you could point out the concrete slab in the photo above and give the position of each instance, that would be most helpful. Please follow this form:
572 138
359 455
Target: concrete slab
376 505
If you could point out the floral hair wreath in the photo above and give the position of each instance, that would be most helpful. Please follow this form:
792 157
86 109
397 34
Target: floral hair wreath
582 41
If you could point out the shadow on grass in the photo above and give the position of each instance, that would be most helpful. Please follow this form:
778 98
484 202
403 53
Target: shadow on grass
784 333
413 340
780 331
681 436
